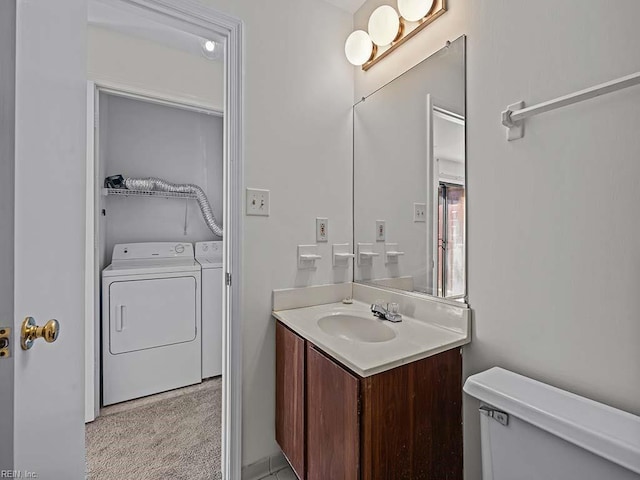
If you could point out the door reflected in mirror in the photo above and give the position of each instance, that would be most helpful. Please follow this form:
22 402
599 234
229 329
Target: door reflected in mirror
410 177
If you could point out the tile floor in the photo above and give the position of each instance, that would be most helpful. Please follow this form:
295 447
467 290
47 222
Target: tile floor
286 474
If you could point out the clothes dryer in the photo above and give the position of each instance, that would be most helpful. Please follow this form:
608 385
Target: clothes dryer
151 320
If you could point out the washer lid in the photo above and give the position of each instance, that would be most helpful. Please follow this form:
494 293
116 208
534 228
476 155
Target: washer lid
209 254
210 262
603 430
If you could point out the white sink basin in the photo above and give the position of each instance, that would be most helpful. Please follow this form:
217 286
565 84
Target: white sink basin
356 328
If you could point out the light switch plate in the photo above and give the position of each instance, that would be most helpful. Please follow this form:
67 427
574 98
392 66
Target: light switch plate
257 202
322 229
381 230
419 212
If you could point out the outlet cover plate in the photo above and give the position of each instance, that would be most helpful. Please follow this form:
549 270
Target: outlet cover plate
381 230
420 212
322 229
257 202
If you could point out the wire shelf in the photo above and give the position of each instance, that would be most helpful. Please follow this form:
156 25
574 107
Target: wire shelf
123 192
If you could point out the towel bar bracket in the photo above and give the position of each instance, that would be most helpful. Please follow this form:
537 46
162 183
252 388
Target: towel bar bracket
515 130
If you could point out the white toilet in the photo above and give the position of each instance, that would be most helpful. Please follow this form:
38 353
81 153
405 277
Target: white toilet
531 430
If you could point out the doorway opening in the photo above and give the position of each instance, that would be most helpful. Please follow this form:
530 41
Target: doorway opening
451 235
450 205
158 285
163 238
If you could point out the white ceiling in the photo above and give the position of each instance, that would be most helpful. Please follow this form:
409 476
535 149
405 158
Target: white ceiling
448 138
350 6
104 15
129 23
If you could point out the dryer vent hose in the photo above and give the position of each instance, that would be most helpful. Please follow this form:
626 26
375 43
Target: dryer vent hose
157 184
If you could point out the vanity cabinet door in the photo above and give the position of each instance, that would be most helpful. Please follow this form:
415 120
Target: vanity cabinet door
412 420
333 424
290 376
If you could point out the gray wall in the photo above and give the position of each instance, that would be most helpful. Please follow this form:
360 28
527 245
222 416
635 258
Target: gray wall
554 263
141 139
7 142
297 114
554 267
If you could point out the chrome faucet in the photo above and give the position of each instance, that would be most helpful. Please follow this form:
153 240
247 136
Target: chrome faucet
390 312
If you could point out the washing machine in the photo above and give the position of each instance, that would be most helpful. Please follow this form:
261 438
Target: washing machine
209 255
151 320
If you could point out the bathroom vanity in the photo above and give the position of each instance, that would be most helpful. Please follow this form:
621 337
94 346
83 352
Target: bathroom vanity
361 398
358 397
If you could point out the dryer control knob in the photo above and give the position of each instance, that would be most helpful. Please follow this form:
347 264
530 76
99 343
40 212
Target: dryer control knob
179 248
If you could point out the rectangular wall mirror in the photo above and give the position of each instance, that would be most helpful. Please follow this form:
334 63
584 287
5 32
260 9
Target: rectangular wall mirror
409 192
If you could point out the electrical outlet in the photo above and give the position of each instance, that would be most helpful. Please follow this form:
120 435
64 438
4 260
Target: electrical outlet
381 230
322 229
419 212
257 202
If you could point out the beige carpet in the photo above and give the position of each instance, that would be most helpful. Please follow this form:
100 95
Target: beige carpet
175 435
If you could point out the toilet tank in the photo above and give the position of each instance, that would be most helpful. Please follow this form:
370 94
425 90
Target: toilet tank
531 431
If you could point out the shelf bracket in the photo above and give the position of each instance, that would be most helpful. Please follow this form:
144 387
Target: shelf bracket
307 256
341 253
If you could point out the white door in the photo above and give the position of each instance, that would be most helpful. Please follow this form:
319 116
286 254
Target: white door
47 245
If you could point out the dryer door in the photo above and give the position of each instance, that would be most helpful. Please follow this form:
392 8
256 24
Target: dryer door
151 313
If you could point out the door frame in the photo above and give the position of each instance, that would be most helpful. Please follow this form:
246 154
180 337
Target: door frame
433 181
94 179
195 18
449 116
7 206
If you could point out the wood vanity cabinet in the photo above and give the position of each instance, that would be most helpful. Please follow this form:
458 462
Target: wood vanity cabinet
333 419
290 396
331 424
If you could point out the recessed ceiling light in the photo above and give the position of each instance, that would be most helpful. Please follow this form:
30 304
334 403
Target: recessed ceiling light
209 49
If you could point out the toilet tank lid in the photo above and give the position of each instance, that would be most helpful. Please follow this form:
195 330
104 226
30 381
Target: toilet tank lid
603 430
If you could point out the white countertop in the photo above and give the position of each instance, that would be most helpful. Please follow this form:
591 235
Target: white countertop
414 340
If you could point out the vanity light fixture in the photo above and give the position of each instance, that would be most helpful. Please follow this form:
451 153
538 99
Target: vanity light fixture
385 26
388 30
414 10
359 48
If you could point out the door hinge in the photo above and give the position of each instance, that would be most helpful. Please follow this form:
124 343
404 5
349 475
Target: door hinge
5 342
498 415
228 279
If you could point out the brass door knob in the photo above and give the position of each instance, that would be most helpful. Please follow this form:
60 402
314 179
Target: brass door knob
31 332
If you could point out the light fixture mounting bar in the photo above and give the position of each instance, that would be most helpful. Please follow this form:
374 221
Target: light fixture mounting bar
439 7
